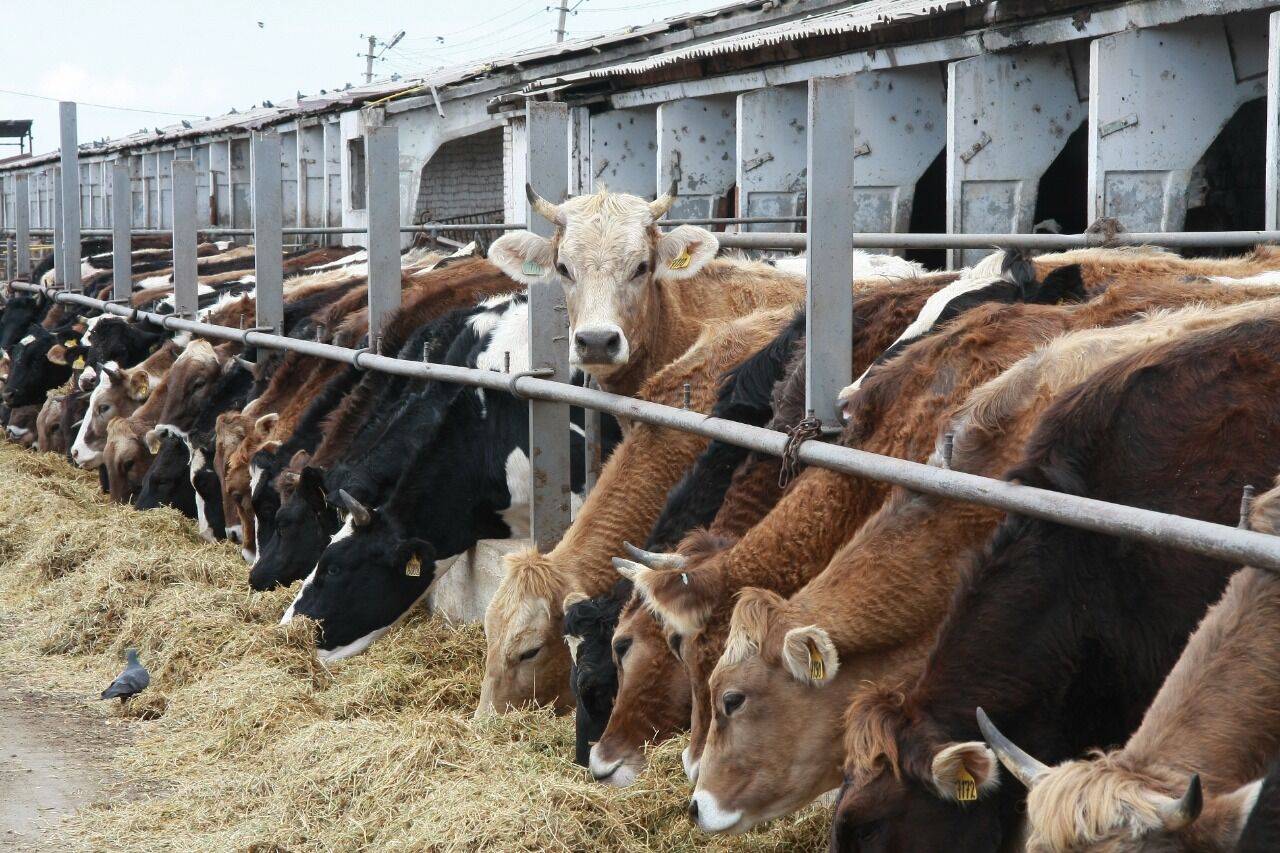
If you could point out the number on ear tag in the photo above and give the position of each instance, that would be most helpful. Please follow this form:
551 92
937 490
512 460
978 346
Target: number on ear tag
681 261
413 568
78 364
966 788
817 666
533 268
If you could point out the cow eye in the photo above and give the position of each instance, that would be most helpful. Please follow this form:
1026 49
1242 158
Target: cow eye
530 654
564 271
676 641
732 701
641 270
621 647
331 570
102 410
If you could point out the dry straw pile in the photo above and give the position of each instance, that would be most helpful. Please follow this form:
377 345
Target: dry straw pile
246 743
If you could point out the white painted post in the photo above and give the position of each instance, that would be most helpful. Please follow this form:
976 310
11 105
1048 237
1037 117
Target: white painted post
288 183
70 194
59 257
121 204
267 237
771 160
382 206
829 303
547 165
22 224
182 214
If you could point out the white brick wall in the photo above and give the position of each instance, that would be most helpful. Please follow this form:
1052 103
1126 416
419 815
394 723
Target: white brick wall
464 177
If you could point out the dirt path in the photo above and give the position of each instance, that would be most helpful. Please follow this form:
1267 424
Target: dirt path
53 759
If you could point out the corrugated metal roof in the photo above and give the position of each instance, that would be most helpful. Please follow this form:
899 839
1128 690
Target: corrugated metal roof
860 18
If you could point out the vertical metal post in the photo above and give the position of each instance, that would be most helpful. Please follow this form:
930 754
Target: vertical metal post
267 237
22 223
121 220
382 207
185 294
10 265
547 165
59 259
1273 124
70 195
829 328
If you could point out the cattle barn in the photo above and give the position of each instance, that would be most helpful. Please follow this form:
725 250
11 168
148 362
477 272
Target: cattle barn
842 425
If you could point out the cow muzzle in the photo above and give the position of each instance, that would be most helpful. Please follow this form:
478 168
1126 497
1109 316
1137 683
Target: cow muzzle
600 346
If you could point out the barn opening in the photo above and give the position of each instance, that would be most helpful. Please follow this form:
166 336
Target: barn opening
1059 195
462 182
1228 185
929 212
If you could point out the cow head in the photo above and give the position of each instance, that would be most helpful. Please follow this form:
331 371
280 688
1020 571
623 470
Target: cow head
908 787
229 431
192 382
238 472
610 258
653 697
367 580
49 436
31 374
689 594
772 695
20 312
117 394
526 660
168 479
126 457
1107 806
21 427
304 524
588 628
207 488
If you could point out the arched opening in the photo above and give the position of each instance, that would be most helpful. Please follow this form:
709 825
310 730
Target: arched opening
1228 185
929 212
463 181
1061 195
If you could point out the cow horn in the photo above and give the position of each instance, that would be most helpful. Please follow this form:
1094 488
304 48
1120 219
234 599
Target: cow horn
360 515
549 211
627 569
660 205
1181 813
248 365
653 560
1027 769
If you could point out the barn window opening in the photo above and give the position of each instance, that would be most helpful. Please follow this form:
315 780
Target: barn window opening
355 159
462 182
929 212
1228 185
1059 197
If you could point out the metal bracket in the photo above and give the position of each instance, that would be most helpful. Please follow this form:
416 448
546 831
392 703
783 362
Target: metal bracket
756 162
355 357
538 372
862 150
1119 124
983 141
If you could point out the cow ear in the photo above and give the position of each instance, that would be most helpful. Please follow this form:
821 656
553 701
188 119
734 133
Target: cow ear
139 385
964 771
152 440
311 487
810 656
1064 284
683 252
417 556
57 354
571 599
524 257
263 426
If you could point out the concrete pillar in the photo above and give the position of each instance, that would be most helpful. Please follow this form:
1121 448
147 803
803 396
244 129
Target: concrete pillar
289 177
239 176
164 171
219 182
1009 116
1157 99
333 187
697 143
311 176
771 155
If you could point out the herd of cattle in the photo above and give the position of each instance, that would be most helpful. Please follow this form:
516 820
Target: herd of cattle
816 633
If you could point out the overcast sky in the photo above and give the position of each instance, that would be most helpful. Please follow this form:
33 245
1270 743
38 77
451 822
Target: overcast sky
186 58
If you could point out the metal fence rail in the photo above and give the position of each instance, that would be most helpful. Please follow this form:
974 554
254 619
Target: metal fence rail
1200 537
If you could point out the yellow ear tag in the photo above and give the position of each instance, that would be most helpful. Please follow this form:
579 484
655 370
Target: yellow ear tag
817 666
966 788
681 261
144 391
69 343
532 268
78 364
413 568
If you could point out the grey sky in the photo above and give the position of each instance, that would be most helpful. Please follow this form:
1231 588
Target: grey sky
196 57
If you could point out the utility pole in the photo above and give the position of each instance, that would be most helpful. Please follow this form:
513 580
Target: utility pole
565 10
371 56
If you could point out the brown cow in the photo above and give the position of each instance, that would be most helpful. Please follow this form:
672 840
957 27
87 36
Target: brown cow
1215 723
118 394
526 659
49 437
637 298
872 612
897 412
21 428
645 713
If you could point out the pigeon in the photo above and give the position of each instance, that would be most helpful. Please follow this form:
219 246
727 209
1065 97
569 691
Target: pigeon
131 682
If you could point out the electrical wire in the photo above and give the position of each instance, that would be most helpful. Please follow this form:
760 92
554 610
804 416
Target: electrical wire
100 106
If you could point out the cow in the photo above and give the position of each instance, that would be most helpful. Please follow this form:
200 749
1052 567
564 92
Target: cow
49 435
118 394
1065 635
473 445
21 427
168 481
111 338
1262 830
19 314
31 374
871 613
1189 777
637 298
526 659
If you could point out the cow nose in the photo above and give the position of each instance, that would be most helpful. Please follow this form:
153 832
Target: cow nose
693 810
597 345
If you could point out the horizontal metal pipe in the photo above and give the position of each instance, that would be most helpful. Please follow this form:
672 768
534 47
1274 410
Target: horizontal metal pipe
1201 537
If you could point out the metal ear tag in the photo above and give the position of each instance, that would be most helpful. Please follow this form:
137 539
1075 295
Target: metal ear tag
533 268
966 788
681 261
27 340
817 666
413 568
684 578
